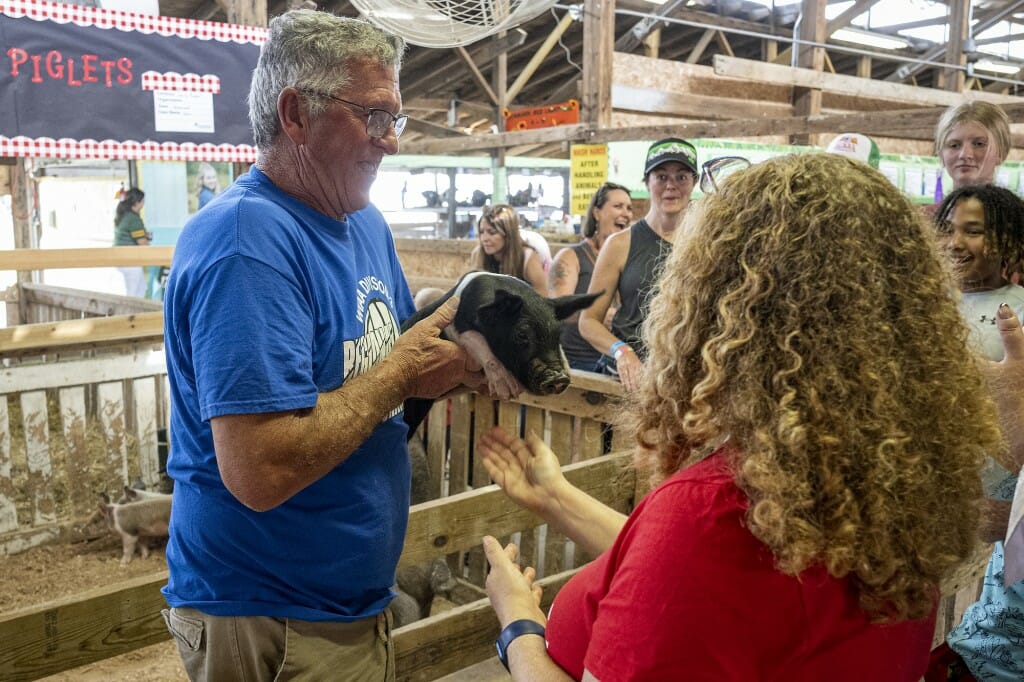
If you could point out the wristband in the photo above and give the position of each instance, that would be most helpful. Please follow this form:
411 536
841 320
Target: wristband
615 348
516 628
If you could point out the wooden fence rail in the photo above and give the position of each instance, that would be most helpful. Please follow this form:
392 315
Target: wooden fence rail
109 409
109 412
425 262
73 426
110 621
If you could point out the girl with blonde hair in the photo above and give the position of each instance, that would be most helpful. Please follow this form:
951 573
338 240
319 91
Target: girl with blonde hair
207 184
971 140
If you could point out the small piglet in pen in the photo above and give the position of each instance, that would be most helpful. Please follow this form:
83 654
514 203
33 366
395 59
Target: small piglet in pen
139 516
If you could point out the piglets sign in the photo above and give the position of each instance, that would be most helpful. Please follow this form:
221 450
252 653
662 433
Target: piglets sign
84 82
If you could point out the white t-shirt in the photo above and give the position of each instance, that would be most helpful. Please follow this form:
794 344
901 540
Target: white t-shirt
978 308
536 241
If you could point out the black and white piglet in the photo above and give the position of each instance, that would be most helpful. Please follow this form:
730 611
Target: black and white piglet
511 330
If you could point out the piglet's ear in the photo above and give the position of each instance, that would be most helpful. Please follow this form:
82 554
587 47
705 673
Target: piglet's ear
504 306
567 305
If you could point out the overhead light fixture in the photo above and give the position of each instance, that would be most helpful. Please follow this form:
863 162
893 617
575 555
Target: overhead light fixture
994 66
882 42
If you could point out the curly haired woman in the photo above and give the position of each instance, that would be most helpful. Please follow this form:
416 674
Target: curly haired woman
814 423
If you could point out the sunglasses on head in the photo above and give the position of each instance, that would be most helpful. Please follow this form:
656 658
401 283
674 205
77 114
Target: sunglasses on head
713 172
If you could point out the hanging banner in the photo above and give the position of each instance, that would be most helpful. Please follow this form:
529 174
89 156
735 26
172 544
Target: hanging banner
588 169
84 82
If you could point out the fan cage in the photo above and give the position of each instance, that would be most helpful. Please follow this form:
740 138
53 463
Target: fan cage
448 23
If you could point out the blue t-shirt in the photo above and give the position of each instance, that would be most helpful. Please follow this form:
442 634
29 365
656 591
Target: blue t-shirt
268 304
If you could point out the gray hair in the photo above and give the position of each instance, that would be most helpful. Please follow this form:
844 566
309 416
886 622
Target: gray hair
311 50
988 115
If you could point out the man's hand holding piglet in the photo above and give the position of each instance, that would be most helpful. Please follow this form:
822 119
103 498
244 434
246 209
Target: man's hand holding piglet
430 365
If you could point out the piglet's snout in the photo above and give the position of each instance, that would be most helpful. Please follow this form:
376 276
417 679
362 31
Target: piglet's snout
556 384
552 373
553 380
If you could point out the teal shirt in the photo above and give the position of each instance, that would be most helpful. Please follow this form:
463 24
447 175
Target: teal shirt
130 230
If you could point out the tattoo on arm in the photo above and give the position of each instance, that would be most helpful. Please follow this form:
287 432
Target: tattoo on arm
557 275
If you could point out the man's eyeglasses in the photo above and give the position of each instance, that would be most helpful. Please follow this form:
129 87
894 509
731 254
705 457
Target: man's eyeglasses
714 171
378 121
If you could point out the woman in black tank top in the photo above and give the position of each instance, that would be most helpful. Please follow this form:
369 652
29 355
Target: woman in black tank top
630 262
611 210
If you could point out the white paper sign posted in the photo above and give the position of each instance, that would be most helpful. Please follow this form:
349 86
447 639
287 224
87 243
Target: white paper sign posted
183 112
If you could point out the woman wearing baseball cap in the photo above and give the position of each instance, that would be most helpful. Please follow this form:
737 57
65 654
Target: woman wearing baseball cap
630 261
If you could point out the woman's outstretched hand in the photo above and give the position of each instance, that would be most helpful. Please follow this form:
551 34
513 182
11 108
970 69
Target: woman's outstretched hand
528 471
512 591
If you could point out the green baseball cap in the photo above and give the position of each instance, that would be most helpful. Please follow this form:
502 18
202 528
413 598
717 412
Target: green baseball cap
671 149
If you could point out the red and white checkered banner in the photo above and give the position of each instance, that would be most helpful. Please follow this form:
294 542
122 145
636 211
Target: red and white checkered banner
149 87
177 82
132 21
128 149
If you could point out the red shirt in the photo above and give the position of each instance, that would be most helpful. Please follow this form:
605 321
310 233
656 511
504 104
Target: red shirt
688 593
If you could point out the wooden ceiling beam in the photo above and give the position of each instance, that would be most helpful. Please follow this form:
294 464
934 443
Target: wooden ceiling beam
699 19
959 29
690 105
723 43
848 85
982 24
423 77
842 21
634 37
920 23
598 53
500 44
538 57
997 40
477 75
440 104
807 99
910 124
568 87
488 142
424 127
702 44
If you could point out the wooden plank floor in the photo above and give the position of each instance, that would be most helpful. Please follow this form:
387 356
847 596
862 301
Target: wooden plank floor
490 670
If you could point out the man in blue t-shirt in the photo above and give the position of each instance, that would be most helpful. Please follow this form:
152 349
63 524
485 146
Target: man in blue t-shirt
288 374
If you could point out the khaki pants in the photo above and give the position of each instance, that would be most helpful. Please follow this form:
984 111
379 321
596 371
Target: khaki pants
264 649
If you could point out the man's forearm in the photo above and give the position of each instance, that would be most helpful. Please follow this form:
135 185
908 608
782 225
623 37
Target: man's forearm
351 412
267 458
